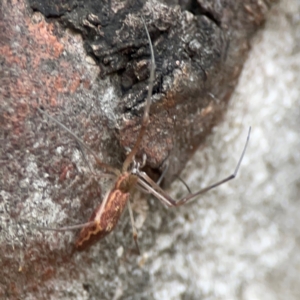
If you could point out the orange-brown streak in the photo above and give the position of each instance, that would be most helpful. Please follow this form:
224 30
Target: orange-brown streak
105 218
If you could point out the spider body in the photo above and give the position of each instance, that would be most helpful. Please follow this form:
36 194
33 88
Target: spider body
106 216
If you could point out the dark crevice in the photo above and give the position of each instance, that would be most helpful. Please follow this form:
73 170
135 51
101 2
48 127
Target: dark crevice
196 9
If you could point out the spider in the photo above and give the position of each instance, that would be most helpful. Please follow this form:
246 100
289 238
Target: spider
105 217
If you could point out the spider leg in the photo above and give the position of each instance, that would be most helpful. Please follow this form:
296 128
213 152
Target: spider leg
145 120
147 183
66 228
134 231
107 167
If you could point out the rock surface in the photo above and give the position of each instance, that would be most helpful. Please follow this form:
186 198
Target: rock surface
238 242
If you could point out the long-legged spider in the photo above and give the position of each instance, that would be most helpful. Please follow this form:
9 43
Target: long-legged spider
105 217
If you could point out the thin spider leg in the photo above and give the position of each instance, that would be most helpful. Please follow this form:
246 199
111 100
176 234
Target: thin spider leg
158 182
143 190
142 186
162 176
145 120
150 187
184 183
66 228
146 182
79 226
99 162
134 231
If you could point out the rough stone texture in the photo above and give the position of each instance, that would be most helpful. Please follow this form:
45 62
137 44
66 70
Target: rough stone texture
240 242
